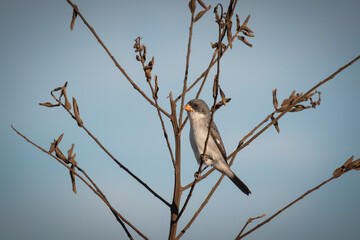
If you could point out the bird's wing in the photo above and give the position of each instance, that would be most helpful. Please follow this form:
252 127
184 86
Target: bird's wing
214 133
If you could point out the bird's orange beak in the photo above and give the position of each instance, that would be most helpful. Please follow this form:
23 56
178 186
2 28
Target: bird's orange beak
188 108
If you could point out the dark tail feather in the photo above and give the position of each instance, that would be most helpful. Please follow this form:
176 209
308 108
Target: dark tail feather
240 184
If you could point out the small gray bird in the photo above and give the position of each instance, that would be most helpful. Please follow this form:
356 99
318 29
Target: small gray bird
199 115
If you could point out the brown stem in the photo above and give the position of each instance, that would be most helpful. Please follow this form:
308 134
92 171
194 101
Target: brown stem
292 105
84 181
233 155
239 236
200 208
114 60
113 158
186 68
177 181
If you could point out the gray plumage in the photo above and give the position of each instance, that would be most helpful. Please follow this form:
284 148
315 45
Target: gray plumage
199 115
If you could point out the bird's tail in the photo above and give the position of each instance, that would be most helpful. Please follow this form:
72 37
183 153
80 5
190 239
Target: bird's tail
225 169
239 183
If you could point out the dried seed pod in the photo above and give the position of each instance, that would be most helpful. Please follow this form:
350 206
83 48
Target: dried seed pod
275 102
222 94
237 23
72 159
248 34
200 14
48 104
59 139
203 4
156 87
221 103
67 103
192 6
76 113
338 172
72 177
52 146
60 155
73 19
241 38
348 161
69 152
298 108
353 165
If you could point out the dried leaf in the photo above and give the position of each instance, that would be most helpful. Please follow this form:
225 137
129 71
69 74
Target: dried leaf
222 94
76 112
67 103
73 19
56 89
241 38
69 152
292 94
237 23
202 4
48 104
215 85
156 87
72 176
138 58
192 6
200 14
59 139
248 34
337 173
275 102
72 159
60 155
52 146
63 90
228 34
246 20
298 108
276 125
221 103
353 165
348 161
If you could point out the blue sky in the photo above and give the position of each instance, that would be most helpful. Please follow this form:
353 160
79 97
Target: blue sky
296 45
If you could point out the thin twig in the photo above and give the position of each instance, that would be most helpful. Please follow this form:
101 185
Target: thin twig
113 158
292 105
84 181
186 68
200 208
233 155
159 113
190 193
249 221
239 236
114 60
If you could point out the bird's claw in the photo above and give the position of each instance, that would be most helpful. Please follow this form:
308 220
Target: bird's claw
196 175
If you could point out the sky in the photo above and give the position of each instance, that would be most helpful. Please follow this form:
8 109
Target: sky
296 45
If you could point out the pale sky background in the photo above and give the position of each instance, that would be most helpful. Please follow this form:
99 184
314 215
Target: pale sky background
296 45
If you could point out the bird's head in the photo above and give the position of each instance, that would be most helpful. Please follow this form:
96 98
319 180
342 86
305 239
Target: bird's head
197 109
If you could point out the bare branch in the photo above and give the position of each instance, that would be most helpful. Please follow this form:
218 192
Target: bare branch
187 63
287 206
98 193
113 59
292 105
112 157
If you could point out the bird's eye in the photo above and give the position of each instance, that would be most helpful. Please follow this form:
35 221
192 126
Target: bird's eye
195 105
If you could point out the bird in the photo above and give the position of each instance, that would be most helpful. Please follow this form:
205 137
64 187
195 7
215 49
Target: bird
215 154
